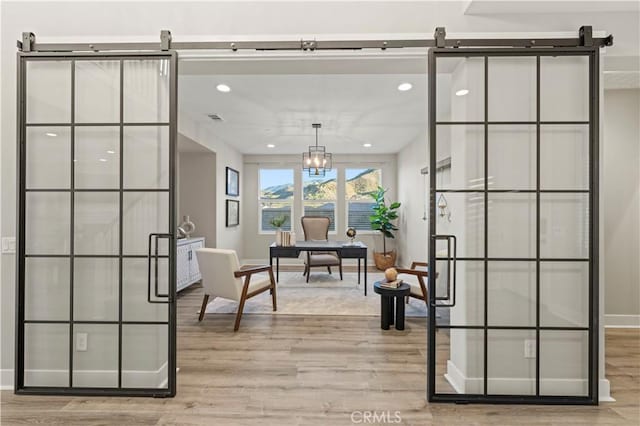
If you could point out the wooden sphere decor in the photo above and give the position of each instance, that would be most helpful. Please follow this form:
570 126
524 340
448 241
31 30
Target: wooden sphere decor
391 274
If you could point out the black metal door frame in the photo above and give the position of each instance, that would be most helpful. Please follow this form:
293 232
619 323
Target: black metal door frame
593 125
22 58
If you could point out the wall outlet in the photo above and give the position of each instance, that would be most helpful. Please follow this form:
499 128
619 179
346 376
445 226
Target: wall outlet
81 342
529 348
8 244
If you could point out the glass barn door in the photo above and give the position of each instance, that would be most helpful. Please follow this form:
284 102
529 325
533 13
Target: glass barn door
513 224
96 272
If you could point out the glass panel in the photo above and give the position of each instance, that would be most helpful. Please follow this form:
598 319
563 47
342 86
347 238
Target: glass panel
97 158
46 354
134 292
564 157
512 225
460 89
146 91
564 363
95 289
47 222
96 223
97 366
459 361
460 157
48 91
146 157
145 213
564 294
462 215
358 215
564 88
276 184
48 162
320 188
46 293
469 297
323 209
512 157
360 182
97 80
144 356
511 367
564 225
512 89
275 209
512 294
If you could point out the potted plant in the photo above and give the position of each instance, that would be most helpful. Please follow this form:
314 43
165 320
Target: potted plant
277 223
382 220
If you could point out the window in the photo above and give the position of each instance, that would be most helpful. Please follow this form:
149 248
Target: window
319 196
359 183
275 198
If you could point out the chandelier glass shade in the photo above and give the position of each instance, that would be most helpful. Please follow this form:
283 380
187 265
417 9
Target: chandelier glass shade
317 161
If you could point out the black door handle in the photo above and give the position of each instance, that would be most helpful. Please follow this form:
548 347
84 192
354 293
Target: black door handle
451 289
154 238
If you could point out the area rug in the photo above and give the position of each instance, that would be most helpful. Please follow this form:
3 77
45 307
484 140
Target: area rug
324 294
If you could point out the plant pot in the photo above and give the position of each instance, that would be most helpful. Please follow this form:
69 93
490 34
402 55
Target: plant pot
384 260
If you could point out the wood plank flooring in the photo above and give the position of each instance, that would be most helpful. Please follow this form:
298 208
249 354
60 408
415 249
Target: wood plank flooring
303 370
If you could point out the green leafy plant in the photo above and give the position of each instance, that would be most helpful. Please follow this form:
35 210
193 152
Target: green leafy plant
278 221
383 215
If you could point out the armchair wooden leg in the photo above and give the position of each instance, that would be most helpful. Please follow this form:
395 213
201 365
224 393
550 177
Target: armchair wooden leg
239 313
205 300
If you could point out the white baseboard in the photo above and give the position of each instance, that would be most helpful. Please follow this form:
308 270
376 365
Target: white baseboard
621 321
6 379
88 378
508 385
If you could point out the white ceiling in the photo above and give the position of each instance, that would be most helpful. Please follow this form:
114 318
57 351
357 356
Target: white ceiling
356 102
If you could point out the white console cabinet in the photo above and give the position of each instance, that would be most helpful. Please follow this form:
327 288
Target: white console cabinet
187 270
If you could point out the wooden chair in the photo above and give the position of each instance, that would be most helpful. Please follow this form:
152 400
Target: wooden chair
316 228
222 277
419 289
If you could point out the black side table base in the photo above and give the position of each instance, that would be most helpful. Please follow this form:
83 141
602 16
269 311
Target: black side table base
389 297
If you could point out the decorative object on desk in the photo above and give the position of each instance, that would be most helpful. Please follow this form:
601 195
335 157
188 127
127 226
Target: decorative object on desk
351 234
391 274
317 161
233 182
382 220
277 223
232 213
186 227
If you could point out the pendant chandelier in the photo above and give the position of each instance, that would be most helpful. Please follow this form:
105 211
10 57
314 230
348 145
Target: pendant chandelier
317 161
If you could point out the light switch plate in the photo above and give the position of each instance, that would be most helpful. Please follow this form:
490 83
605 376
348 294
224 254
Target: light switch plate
8 244
81 342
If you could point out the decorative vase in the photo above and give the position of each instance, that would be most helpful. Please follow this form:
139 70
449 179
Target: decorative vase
278 237
187 226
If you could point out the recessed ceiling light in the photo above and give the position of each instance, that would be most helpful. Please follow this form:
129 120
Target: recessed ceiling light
367 145
102 159
51 135
462 92
270 145
111 151
223 88
403 87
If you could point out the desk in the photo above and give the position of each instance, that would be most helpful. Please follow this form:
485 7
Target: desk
344 250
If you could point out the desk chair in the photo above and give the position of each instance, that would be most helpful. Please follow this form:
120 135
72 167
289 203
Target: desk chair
316 228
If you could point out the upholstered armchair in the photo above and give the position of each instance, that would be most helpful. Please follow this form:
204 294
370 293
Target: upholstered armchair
418 287
223 277
316 228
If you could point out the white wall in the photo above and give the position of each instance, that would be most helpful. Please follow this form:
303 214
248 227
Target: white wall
413 193
621 195
197 195
256 244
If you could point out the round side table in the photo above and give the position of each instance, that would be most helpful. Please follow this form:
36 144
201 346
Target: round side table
386 304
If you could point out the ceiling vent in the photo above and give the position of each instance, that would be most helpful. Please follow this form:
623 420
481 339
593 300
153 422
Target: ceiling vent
215 117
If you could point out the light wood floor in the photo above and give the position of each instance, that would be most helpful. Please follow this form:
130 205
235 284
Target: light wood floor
297 370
